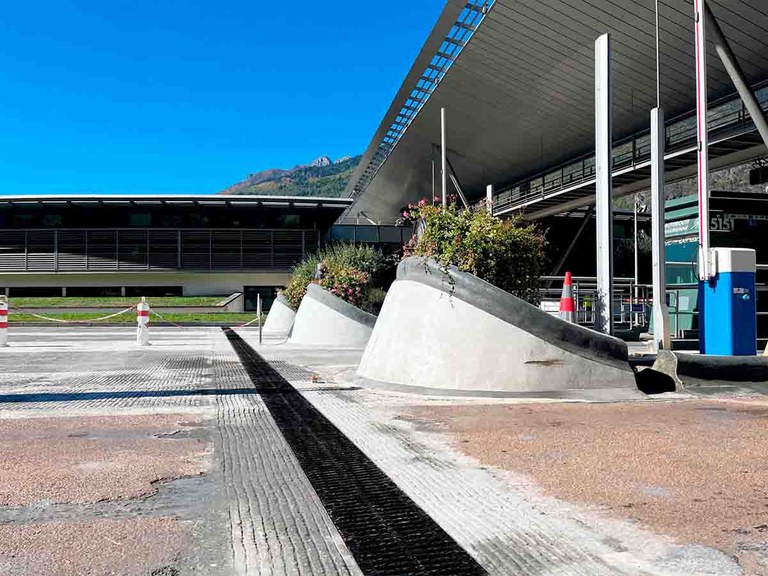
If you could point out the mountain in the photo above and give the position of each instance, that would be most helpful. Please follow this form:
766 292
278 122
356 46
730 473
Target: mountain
734 179
321 177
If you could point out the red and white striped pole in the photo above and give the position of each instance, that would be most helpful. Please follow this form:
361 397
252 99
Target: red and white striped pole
3 322
142 320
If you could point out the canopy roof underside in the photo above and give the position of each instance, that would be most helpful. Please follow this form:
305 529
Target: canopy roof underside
520 96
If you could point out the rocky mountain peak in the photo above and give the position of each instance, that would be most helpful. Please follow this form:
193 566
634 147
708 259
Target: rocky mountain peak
321 162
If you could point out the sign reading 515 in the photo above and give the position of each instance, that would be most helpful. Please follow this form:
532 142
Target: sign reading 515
721 223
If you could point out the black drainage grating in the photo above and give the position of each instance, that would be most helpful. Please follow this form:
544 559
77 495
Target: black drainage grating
387 533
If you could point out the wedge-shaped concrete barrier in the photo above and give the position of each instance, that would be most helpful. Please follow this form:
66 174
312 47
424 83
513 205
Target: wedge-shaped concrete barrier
454 333
326 320
281 316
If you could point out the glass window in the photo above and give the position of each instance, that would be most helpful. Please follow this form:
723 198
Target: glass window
343 233
392 234
369 234
267 293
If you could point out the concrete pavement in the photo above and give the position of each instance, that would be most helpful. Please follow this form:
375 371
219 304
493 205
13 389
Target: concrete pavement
248 495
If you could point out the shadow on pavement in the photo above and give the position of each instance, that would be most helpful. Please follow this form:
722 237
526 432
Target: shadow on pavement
74 396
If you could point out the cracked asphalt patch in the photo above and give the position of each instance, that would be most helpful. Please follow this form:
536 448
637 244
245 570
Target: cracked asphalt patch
96 458
108 462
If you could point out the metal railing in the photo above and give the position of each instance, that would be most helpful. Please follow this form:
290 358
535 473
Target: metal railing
369 233
729 115
631 301
145 249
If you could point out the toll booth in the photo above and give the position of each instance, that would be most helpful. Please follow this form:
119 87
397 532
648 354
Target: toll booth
727 304
737 220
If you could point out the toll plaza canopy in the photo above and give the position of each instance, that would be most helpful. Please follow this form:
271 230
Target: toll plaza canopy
516 78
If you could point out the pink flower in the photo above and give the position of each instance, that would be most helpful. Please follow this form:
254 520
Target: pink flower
422 203
405 214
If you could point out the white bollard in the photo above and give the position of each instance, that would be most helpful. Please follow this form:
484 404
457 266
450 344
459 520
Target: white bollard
3 322
258 312
142 320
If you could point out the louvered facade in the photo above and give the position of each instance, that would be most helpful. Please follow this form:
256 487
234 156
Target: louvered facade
191 244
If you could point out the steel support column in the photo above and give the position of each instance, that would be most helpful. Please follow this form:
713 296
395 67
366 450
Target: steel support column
456 183
732 66
703 138
658 220
444 155
489 198
604 193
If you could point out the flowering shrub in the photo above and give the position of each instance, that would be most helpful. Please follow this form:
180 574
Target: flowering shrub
505 253
350 274
412 212
346 283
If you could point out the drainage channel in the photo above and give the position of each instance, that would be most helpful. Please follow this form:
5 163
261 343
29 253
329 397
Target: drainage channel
386 532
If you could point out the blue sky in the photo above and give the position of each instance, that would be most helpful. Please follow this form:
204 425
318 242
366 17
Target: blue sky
175 96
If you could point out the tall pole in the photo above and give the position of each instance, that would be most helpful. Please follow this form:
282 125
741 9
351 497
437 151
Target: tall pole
703 138
636 292
637 259
433 174
604 185
658 220
489 198
658 59
258 312
444 153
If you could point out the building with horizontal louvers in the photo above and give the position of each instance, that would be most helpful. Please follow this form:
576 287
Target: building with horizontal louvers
150 245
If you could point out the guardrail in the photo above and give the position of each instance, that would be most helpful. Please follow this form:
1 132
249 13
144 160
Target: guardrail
728 115
632 303
370 233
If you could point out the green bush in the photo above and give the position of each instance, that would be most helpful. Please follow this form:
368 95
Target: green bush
351 273
506 253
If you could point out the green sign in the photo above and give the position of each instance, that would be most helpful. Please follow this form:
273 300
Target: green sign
685 227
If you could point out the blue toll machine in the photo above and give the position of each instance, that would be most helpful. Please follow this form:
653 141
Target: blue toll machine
727 304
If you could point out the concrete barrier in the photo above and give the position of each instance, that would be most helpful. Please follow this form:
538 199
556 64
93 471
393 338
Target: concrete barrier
281 317
697 370
456 334
325 320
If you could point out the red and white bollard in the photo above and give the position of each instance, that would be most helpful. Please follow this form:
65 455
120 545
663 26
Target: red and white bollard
3 322
142 320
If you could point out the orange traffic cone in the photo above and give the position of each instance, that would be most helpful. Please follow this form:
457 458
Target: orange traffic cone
567 304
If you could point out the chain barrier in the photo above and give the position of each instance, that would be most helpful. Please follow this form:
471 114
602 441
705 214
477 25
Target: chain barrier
62 321
162 319
110 316
248 323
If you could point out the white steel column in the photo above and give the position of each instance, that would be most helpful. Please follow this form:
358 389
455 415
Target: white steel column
604 193
703 139
658 219
444 153
489 199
